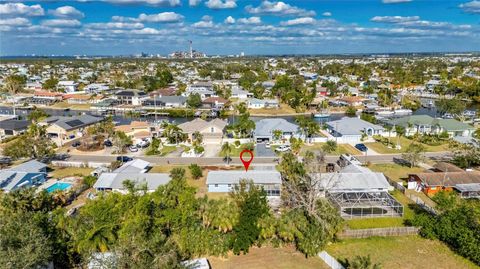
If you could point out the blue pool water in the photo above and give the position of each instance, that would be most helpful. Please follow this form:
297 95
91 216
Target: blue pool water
59 186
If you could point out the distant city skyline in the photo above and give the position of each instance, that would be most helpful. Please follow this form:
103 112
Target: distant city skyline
223 27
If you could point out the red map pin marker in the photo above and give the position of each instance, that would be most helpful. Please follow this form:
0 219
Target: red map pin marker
246 163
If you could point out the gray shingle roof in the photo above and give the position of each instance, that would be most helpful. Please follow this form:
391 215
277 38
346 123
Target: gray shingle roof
265 127
31 166
352 126
14 124
71 123
234 177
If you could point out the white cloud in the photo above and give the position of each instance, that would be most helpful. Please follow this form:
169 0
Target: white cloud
471 7
194 3
435 25
229 20
15 22
298 21
221 4
203 24
20 9
163 3
327 14
115 25
161 17
395 1
67 12
61 23
394 19
251 20
206 22
279 9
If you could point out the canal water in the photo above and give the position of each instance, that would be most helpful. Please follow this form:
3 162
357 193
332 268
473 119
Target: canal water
122 119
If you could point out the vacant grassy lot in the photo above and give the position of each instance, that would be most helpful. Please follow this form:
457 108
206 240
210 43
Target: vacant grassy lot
341 149
63 105
395 171
282 110
406 252
404 142
61 172
268 258
200 183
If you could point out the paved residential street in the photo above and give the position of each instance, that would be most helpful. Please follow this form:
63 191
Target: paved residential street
385 158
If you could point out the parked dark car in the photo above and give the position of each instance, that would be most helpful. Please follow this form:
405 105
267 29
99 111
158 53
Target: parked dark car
124 159
5 160
361 147
107 143
76 144
61 157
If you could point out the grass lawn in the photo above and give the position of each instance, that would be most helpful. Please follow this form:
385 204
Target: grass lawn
167 149
283 109
341 149
71 106
395 171
406 252
200 183
61 172
368 223
235 152
269 258
404 142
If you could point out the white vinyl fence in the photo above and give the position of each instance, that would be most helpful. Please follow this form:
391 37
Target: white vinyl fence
330 261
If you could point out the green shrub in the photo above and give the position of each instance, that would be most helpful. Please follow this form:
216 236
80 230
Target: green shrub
195 171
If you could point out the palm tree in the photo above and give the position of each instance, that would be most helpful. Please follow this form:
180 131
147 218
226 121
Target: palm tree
174 134
97 239
226 150
277 134
400 131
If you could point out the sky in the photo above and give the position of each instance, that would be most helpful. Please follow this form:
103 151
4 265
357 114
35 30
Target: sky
225 27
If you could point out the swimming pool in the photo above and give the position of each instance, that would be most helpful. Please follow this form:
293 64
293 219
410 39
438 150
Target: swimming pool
59 186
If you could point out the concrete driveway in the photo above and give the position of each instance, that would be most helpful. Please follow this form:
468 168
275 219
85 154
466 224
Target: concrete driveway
262 151
212 150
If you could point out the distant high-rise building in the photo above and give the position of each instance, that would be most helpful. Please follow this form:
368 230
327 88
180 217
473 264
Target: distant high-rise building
242 54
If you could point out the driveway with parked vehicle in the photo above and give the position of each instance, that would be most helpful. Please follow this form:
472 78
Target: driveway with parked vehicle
262 151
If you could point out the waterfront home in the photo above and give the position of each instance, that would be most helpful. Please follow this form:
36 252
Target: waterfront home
13 127
254 103
351 101
136 129
131 97
212 131
224 181
214 102
77 98
265 129
424 124
31 173
166 102
352 130
65 129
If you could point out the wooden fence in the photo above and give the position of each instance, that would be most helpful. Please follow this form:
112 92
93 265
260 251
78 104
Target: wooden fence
390 231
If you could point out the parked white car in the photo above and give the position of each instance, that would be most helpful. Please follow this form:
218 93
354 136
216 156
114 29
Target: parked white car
133 148
283 148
